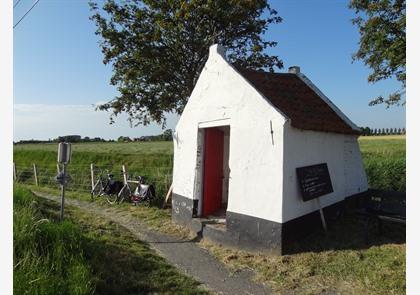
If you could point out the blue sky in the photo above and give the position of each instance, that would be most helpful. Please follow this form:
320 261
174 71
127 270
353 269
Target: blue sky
59 74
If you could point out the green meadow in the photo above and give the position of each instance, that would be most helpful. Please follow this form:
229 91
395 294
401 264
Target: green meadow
384 161
341 262
84 254
383 158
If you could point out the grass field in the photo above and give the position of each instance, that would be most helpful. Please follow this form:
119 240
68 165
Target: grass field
84 254
126 148
340 262
152 160
384 161
49 258
383 157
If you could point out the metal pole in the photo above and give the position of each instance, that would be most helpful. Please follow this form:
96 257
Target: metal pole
35 174
62 193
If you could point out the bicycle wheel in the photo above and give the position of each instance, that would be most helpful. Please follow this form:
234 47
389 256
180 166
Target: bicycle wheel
112 198
97 190
124 194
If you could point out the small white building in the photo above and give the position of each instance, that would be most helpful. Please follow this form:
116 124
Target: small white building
238 143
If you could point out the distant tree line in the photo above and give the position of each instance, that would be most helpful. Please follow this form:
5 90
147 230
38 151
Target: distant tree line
165 136
78 138
66 138
382 131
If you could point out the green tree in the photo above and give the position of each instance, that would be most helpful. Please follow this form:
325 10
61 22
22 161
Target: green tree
382 29
158 48
167 135
124 139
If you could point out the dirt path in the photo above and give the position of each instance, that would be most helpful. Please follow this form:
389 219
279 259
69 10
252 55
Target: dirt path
185 255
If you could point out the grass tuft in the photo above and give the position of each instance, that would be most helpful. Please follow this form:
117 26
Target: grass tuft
48 256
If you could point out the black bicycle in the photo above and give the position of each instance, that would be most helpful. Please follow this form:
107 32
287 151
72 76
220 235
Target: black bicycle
107 186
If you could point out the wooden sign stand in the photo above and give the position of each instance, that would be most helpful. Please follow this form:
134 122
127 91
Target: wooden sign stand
168 195
321 212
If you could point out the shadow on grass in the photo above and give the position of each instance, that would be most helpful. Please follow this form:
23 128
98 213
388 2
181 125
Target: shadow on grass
348 232
122 264
121 270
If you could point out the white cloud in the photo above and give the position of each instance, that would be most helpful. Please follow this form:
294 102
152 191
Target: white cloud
42 121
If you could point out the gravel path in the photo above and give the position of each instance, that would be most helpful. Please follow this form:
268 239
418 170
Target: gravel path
185 255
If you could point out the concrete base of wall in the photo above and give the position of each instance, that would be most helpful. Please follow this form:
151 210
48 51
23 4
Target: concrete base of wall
257 234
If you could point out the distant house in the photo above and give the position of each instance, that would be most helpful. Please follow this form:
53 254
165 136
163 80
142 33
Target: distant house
237 145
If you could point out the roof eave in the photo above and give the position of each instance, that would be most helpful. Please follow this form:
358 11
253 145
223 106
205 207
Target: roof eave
311 85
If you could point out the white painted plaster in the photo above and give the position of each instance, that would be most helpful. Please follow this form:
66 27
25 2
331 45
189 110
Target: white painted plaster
214 123
340 152
255 184
262 180
226 168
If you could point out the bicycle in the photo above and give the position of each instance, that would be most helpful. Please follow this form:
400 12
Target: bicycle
108 187
99 186
143 193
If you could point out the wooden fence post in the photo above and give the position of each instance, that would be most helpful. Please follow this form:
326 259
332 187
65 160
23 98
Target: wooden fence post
92 176
14 172
124 174
35 174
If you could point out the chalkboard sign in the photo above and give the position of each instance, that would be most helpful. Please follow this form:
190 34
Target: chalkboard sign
314 181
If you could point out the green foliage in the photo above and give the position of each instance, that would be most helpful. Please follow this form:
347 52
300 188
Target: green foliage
384 161
158 48
48 257
382 45
69 138
167 135
124 139
85 254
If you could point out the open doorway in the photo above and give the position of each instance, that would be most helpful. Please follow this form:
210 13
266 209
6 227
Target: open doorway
216 171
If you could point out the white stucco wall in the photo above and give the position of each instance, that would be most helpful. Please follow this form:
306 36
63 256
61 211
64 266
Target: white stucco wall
304 148
258 160
222 96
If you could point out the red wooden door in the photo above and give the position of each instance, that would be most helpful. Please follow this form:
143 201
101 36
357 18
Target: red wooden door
213 170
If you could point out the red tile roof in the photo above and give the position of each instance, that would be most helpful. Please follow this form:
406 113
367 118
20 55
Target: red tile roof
294 98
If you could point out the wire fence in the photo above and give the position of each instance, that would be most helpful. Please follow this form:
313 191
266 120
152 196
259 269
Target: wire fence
81 175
